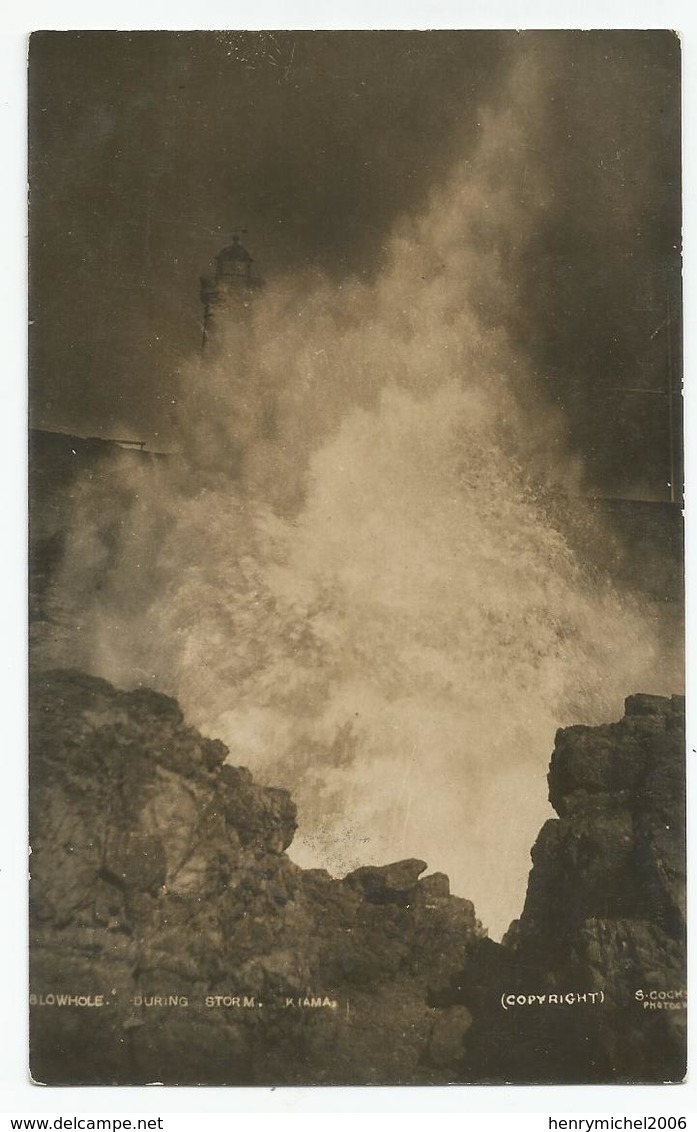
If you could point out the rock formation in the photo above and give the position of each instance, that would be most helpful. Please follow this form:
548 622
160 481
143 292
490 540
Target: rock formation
603 922
160 883
174 940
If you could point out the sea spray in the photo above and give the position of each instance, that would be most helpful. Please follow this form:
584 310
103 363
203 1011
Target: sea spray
348 573
399 653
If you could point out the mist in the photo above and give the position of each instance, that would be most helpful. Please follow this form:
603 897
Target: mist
350 571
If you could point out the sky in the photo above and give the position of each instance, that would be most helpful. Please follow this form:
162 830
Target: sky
147 150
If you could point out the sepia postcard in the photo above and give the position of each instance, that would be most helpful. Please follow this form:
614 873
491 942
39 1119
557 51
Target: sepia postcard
356 586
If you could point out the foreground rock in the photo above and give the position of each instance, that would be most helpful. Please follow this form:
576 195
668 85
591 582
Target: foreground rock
603 922
172 938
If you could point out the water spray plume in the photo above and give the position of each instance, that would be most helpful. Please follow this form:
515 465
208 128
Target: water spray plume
350 574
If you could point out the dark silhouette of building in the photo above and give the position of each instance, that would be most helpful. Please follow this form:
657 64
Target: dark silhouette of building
232 288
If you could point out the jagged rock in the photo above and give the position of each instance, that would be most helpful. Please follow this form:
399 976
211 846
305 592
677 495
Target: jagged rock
604 914
620 792
435 886
387 883
446 1038
159 875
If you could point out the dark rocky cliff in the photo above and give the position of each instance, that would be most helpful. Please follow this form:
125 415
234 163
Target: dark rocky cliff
159 873
160 882
603 921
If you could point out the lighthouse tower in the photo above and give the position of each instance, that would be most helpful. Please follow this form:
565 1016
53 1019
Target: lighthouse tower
231 289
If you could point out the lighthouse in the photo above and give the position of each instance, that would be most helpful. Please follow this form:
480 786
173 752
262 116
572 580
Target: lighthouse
231 289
